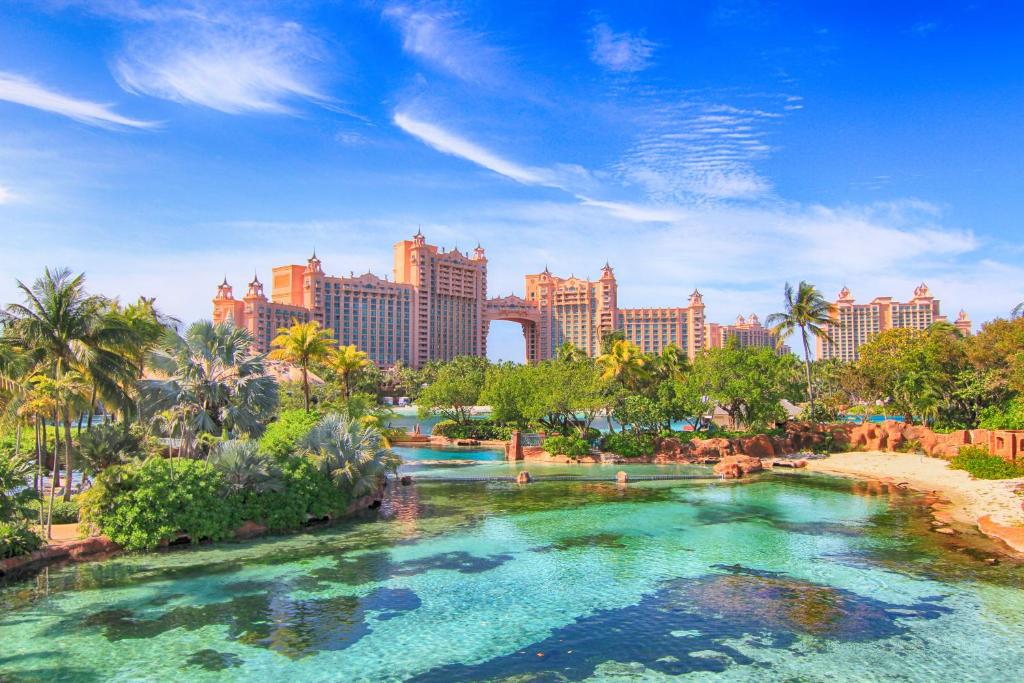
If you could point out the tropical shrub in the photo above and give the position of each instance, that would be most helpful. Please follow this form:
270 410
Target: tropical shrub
484 430
306 493
141 505
573 446
283 436
981 465
15 482
355 457
1009 415
628 444
244 469
105 445
16 538
64 511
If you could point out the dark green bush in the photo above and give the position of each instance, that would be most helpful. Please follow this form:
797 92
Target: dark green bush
141 505
977 461
307 493
16 538
573 446
628 444
484 430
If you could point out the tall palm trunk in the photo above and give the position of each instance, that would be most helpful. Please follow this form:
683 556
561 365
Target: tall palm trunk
305 386
807 367
92 410
67 452
56 448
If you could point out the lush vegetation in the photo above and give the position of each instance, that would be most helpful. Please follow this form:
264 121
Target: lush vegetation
480 429
572 446
16 538
977 461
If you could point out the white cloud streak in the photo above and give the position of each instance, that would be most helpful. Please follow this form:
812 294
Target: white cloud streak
455 145
21 90
231 64
439 38
6 196
620 52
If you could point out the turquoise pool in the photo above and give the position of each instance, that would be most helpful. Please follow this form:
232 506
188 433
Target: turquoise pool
785 578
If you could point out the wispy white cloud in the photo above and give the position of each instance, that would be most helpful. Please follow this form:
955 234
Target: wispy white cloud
690 151
568 177
622 52
234 64
21 90
6 196
439 37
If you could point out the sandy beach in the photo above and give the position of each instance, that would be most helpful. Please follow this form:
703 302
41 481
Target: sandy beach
991 505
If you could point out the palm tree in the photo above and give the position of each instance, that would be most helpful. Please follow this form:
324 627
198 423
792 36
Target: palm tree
624 362
64 329
105 446
348 362
806 310
211 381
671 363
15 473
1018 310
302 344
570 353
244 468
354 456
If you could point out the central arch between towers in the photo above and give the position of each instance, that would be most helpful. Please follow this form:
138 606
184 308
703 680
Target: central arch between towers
518 310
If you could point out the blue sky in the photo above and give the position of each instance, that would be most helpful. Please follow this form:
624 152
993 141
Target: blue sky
723 145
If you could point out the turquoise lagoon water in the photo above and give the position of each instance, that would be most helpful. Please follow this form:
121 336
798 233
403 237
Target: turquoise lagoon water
783 578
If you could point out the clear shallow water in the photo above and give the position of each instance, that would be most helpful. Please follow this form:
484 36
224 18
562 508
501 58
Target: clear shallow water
790 577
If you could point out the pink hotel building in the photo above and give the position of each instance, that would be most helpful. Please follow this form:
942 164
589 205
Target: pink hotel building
857 323
436 308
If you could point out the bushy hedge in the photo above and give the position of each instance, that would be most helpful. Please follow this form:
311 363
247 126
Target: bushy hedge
64 511
306 493
1010 415
283 435
16 538
140 506
573 446
484 430
977 461
628 444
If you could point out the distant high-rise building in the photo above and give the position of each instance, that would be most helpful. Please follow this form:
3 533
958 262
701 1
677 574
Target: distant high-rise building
436 308
582 311
433 309
746 331
855 324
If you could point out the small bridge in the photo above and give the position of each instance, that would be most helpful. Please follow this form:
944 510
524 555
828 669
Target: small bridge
518 310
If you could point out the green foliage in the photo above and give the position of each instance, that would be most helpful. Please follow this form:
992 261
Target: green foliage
628 444
1009 415
910 446
483 430
455 389
977 461
640 414
283 436
64 511
353 455
105 445
244 469
573 446
747 383
16 538
141 505
305 493
15 482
